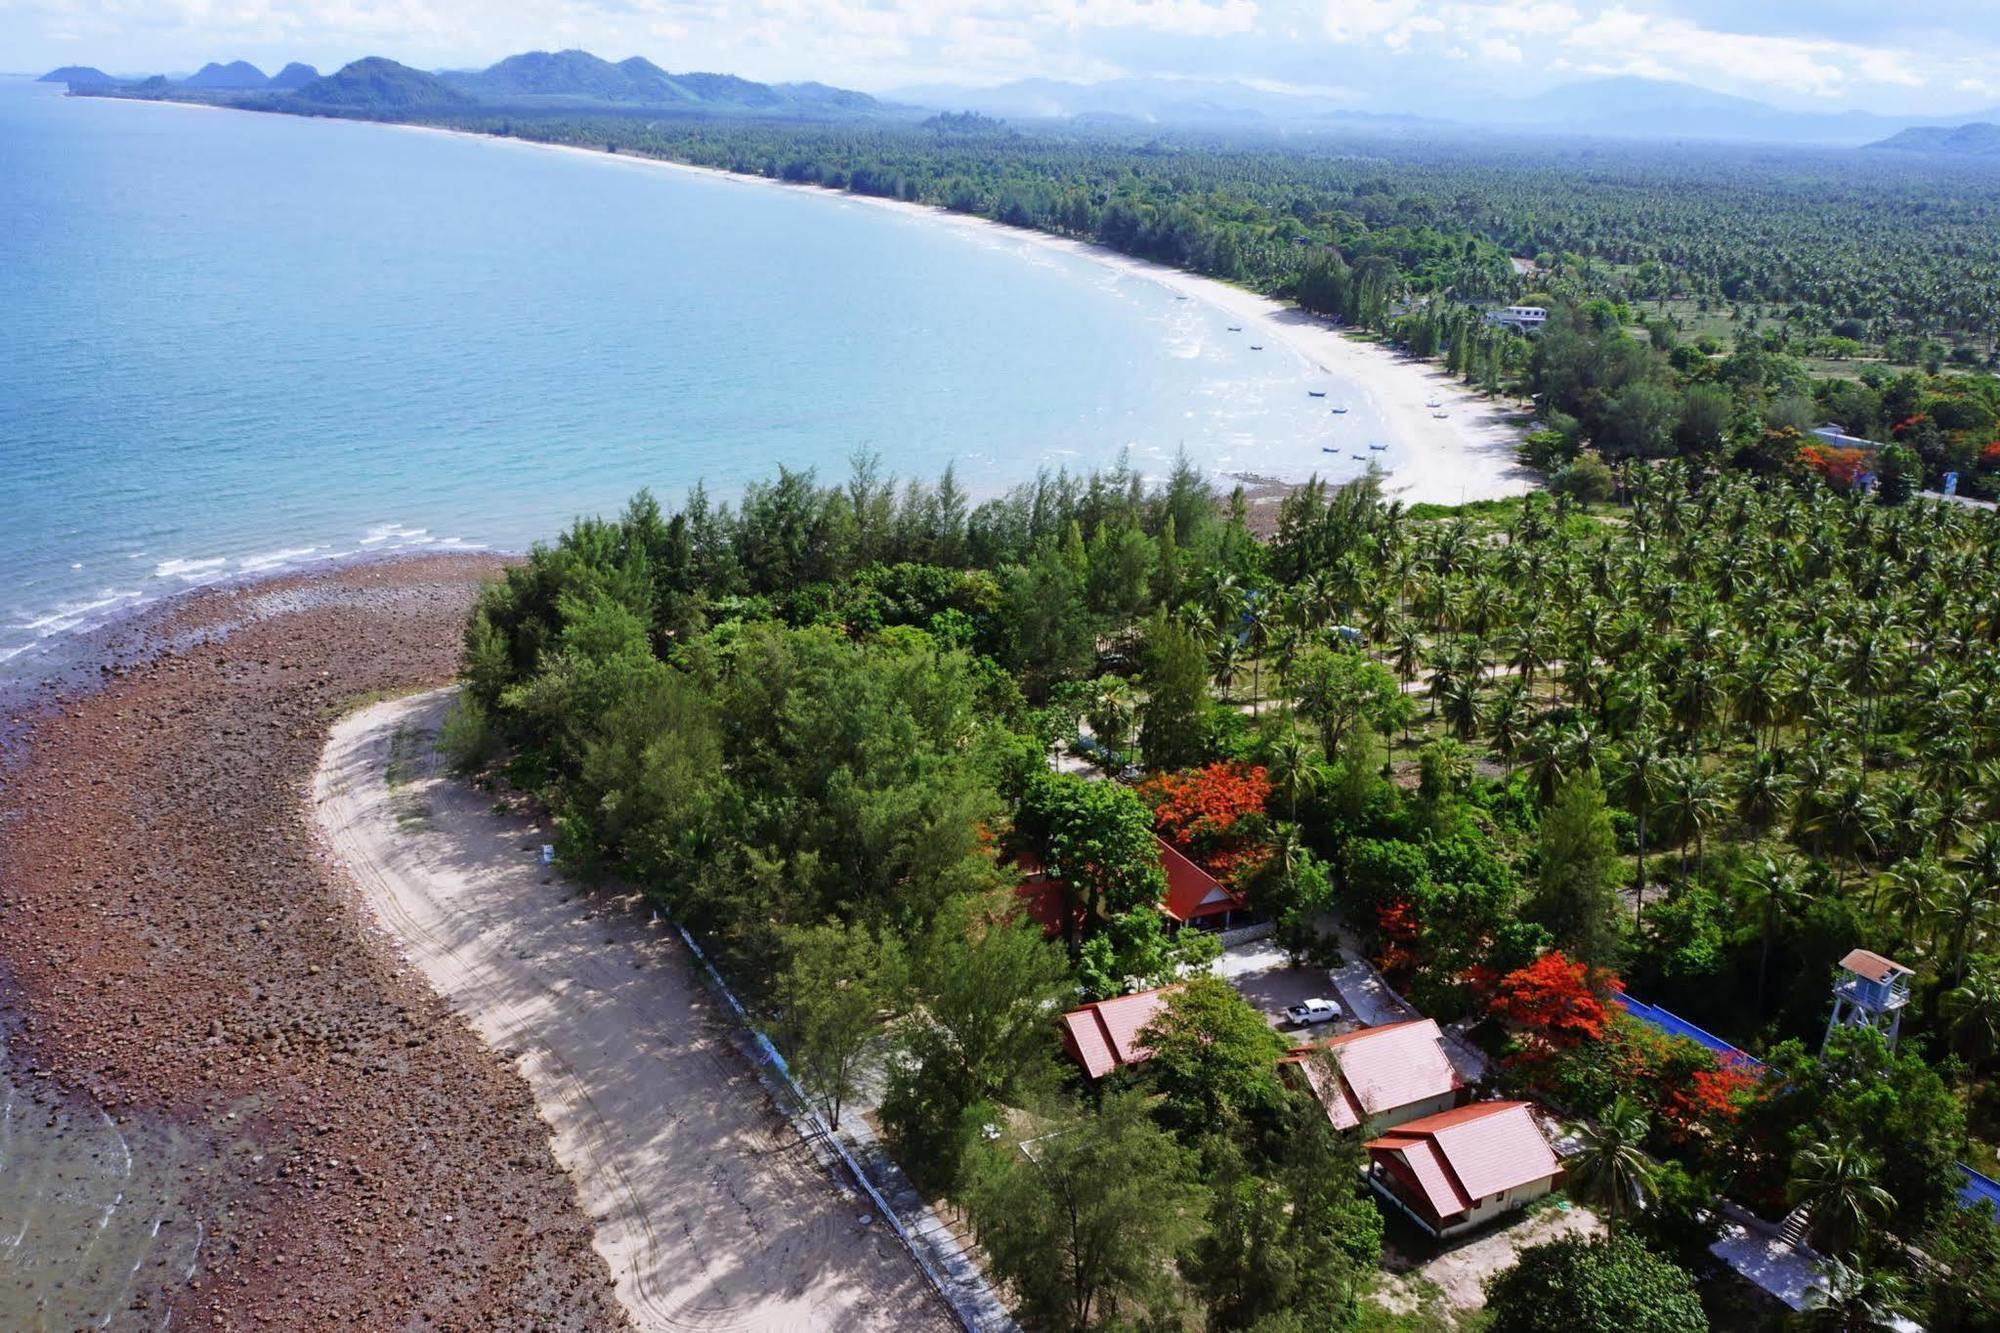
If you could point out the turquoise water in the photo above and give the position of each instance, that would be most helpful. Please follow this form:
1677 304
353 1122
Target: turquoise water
237 343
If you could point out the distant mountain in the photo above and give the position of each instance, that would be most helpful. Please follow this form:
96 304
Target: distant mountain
379 84
78 76
567 74
1979 139
236 76
579 76
1165 101
292 77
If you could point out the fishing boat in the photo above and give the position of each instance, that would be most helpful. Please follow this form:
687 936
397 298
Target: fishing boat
1440 416
1340 411
1315 393
1359 458
1236 328
1256 347
1378 448
1433 403
1328 449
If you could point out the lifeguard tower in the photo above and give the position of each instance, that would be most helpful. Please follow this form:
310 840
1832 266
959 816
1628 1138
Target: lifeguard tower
1871 992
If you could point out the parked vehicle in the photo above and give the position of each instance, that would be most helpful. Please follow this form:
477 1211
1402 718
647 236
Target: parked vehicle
1308 1013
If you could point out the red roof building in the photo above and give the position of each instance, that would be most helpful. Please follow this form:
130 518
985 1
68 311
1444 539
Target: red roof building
1453 1171
1193 895
1380 1076
1105 1035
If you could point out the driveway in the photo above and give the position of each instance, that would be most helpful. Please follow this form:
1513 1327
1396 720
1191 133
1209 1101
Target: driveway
1262 973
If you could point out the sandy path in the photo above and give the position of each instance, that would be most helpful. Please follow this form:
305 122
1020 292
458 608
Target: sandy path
710 1211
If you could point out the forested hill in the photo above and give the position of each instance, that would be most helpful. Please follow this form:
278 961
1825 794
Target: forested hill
578 76
1979 139
78 75
379 85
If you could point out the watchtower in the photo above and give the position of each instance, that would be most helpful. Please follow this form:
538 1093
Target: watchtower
1870 992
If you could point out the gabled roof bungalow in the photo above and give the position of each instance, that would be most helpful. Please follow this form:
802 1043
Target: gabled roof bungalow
1104 1035
1193 896
1456 1170
1380 1076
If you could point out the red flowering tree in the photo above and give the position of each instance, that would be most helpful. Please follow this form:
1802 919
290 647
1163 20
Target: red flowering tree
1839 467
1554 1002
1203 811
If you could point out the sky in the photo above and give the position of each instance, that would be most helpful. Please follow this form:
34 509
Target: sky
1899 56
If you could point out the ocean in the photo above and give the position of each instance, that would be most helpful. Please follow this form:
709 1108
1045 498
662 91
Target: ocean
240 343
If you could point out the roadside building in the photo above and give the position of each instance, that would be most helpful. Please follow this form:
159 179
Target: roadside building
1522 318
1379 1077
1456 1170
1104 1036
1193 897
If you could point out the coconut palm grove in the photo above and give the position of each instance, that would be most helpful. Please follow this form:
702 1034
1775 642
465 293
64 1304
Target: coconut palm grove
1691 746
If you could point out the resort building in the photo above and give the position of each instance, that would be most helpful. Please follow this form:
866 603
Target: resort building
1456 1170
1105 1035
1193 898
1379 1077
1522 318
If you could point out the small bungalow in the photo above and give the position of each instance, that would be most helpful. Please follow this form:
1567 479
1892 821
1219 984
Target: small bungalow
1193 898
1104 1035
1380 1076
1454 1171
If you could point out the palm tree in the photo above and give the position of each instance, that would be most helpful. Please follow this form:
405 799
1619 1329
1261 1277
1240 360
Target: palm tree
1834 1181
1226 663
1507 720
1640 762
1854 1300
1461 707
1846 819
1763 792
1692 801
1972 1009
1962 908
1611 1168
1293 769
1775 882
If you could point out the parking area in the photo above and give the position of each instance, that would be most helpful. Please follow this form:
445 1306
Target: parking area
1262 973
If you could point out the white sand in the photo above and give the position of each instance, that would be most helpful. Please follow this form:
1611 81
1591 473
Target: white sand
710 1212
1467 455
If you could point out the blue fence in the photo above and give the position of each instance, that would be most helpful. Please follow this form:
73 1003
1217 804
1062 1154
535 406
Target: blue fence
1978 1189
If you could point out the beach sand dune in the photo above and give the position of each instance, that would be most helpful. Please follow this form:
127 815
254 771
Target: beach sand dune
711 1212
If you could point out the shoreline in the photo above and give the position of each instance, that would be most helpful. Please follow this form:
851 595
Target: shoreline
180 952
710 1211
1464 457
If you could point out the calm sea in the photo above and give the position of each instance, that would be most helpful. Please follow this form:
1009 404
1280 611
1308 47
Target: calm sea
236 343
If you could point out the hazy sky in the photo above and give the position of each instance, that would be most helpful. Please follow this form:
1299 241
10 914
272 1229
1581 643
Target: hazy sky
1889 55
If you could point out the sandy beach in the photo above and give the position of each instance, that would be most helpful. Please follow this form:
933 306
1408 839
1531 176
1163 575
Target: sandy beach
1468 454
711 1211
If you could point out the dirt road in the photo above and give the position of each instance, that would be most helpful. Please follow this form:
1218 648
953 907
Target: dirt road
709 1209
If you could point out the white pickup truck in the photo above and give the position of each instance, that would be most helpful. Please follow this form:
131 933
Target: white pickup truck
1308 1013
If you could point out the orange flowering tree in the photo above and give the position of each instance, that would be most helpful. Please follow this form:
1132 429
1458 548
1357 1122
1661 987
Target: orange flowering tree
1839 467
1553 1003
1213 813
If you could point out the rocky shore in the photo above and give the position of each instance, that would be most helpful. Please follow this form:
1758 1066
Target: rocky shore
176 945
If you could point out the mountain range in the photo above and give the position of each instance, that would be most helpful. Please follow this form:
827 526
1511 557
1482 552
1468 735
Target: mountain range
1979 139
535 78
1625 108
1622 108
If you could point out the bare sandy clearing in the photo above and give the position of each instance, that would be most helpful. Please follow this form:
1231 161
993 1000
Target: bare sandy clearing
710 1211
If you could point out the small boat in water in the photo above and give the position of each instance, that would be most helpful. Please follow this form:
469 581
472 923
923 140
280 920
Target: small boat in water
1315 393
1256 347
1236 328
1328 449
1359 458
1340 411
1378 448
1440 416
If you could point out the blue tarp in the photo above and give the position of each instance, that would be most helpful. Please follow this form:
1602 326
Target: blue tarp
1978 1189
